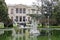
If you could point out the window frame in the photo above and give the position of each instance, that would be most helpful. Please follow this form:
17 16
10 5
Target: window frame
17 10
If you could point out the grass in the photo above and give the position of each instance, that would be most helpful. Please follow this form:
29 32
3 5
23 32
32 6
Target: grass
54 26
49 26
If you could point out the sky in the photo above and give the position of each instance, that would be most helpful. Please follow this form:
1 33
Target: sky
26 2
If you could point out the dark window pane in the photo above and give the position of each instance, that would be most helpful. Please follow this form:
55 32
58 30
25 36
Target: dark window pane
24 10
20 10
16 10
24 18
20 18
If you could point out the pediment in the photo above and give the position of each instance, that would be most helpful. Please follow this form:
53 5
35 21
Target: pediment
21 5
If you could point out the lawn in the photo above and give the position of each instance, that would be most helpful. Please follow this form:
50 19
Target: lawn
49 26
54 26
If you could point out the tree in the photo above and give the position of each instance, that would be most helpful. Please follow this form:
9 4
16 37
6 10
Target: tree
51 8
56 13
4 13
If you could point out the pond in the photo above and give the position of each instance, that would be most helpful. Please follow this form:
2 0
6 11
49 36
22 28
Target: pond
44 35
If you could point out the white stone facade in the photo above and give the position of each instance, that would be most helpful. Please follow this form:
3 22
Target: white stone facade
18 13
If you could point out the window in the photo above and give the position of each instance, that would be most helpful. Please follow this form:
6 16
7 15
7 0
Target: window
16 10
11 11
20 18
20 10
16 18
24 18
24 10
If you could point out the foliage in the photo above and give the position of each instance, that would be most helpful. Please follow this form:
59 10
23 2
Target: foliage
53 13
4 13
56 14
